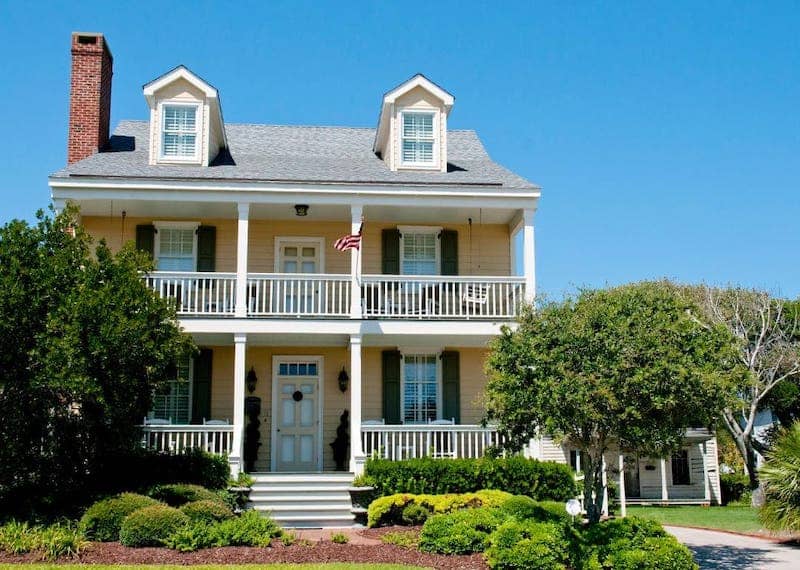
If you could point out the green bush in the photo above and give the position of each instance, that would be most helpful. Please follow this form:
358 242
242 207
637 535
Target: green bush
651 554
151 526
17 538
191 537
521 507
250 529
52 542
178 494
461 532
206 511
389 510
517 475
102 521
527 545
733 486
415 514
600 543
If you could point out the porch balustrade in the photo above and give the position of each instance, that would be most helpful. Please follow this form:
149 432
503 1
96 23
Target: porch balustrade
441 297
298 295
196 293
397 442
217 439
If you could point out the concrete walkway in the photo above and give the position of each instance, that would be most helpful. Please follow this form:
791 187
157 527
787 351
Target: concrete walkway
721 550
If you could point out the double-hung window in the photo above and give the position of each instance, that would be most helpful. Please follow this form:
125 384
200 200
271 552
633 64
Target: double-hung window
418 139
179 132
175 248
419 252
173 401
421 390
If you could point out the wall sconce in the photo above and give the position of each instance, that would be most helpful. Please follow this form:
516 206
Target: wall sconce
344 380
251 380
301 209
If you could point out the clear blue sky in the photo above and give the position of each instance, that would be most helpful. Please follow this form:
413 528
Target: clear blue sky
666 136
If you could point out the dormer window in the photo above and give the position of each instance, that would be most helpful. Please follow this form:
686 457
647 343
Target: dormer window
418 139
179 132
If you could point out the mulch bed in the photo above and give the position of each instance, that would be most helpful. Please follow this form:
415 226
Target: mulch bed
323 551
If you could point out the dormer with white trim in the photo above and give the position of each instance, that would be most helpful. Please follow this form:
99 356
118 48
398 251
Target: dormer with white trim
412 126
186 125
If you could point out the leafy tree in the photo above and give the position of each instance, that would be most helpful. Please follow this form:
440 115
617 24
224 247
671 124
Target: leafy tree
781 477
627 367
766 332
83 345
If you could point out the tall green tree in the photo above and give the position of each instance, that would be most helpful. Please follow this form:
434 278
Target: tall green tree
83 345
627 368
781 476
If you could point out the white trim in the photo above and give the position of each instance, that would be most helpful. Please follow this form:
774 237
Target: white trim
435 230
180 72
419 80
435 163
276 360
200 130
166 225
438 360
280 241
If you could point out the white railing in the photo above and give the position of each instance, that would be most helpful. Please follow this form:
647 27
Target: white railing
441 297
216 439
196 293
298 295
398 442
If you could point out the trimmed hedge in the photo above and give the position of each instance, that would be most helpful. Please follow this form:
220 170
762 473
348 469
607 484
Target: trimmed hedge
460 532
206 511
519 476
151 526
178 494
396 509
103 520
528 545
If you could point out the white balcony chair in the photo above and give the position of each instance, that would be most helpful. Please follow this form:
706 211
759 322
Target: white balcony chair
474 299
157 422
216 422
370 447
443 442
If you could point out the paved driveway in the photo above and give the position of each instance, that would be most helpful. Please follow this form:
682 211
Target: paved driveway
720 550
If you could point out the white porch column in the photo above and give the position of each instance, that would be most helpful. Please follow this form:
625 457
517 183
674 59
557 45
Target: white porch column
241 259
239 356
604 510
623 508
664 493
357 458
706 482
356 212
529 254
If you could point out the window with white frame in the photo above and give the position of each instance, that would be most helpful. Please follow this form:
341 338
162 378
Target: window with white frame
421 391
174 401
179 132
418 138
419 251
175 248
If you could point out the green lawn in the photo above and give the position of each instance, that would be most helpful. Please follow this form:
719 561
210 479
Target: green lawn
737 519
332 566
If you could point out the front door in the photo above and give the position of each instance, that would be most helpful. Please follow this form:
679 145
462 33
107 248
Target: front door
296 414
632 484
302 256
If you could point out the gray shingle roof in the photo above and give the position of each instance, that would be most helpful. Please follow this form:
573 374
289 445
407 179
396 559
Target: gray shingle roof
296 154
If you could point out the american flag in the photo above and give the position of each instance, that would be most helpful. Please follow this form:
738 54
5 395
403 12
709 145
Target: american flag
352 241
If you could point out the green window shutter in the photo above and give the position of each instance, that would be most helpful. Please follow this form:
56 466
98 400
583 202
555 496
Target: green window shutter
146 238
391 386
206 248
451 386
201 386
390 246
448 242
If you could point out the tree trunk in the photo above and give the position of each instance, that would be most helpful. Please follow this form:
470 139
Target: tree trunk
744 444
593 488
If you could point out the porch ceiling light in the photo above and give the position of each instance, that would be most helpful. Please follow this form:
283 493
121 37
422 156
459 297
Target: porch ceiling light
344 380
301 209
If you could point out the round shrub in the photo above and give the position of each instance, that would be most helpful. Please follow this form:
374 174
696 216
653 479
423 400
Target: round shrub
527 545
415 514
206 511
652 554
179 494
102 521
459 532
151 526
250 529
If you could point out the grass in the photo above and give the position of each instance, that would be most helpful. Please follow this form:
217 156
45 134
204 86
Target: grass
736 519
332 566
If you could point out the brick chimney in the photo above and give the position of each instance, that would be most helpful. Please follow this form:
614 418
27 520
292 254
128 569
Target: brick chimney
89 96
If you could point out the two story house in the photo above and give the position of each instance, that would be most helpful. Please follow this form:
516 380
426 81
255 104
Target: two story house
381 345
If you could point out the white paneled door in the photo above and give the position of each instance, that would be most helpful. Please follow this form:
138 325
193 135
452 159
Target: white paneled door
297 414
